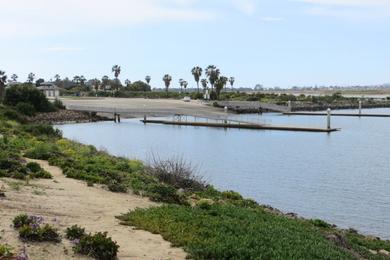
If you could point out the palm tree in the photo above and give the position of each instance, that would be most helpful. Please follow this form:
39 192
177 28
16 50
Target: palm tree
167 80
82 80
127 82
213 74
30 77
77 80
14 77
181 84
220 83
117 71
197 72
3 80
231 81
148 79
185 84
57 77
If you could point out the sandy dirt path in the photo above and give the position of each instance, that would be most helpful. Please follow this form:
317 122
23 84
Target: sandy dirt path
64 202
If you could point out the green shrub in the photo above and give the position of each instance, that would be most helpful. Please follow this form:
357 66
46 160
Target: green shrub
115 186
43 151
320 223
6 252
231 195
75 232
21 220
25 109
34 167
30 95
98 246
167 194
42 130
37 233
58 104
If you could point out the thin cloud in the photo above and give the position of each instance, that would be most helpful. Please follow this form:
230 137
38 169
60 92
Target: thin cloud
272 19
64 49
40 17
247 7
356 3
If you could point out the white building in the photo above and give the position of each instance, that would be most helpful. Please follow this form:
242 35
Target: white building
49 89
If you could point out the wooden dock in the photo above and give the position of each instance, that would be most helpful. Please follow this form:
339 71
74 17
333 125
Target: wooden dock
333 114
245 125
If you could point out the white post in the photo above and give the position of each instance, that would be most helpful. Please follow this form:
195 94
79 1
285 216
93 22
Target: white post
360 107
289 106
328 118
226 109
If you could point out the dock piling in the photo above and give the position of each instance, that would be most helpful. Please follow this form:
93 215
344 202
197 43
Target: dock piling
328 117
360 107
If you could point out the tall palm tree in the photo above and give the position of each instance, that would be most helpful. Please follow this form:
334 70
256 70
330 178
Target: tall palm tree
212 73
220 83
148 79
197 72
117 71
3 80
30 77
231 81
167 80
181 84
185 84
14 77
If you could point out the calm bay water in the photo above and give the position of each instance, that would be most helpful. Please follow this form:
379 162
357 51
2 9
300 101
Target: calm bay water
342 177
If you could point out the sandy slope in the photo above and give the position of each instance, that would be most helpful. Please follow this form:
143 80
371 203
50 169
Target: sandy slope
64 202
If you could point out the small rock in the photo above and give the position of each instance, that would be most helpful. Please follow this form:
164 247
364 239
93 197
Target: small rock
374 252
2 195
384 252
372 238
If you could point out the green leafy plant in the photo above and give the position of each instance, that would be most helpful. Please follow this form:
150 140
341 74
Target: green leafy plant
6 252
75 232
98 246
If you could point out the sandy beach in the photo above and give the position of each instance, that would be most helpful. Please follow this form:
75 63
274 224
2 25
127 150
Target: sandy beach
64 202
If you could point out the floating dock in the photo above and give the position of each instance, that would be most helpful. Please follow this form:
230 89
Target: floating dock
333 114
244 125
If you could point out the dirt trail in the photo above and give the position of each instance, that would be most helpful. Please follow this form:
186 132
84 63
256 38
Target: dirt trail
65 202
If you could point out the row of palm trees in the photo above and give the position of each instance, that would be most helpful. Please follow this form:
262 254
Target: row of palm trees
214 77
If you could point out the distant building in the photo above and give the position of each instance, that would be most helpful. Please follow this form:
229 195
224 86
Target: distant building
49 89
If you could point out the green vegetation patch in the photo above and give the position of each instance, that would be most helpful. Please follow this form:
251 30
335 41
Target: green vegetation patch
230 232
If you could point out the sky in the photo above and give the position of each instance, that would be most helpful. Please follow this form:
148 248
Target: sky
280 43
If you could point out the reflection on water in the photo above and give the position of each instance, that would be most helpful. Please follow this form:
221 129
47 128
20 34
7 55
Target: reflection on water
342 177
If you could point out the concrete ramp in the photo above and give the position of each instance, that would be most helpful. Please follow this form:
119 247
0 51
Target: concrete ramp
251 106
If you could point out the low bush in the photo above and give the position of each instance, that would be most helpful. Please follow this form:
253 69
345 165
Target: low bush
6 252
320 223
115 186
98 246
75 232
43 151
42 130
31 228
177 173
58 104
36 233
167 194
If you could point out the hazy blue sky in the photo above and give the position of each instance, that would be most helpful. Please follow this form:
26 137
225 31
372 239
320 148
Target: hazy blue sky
271 42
